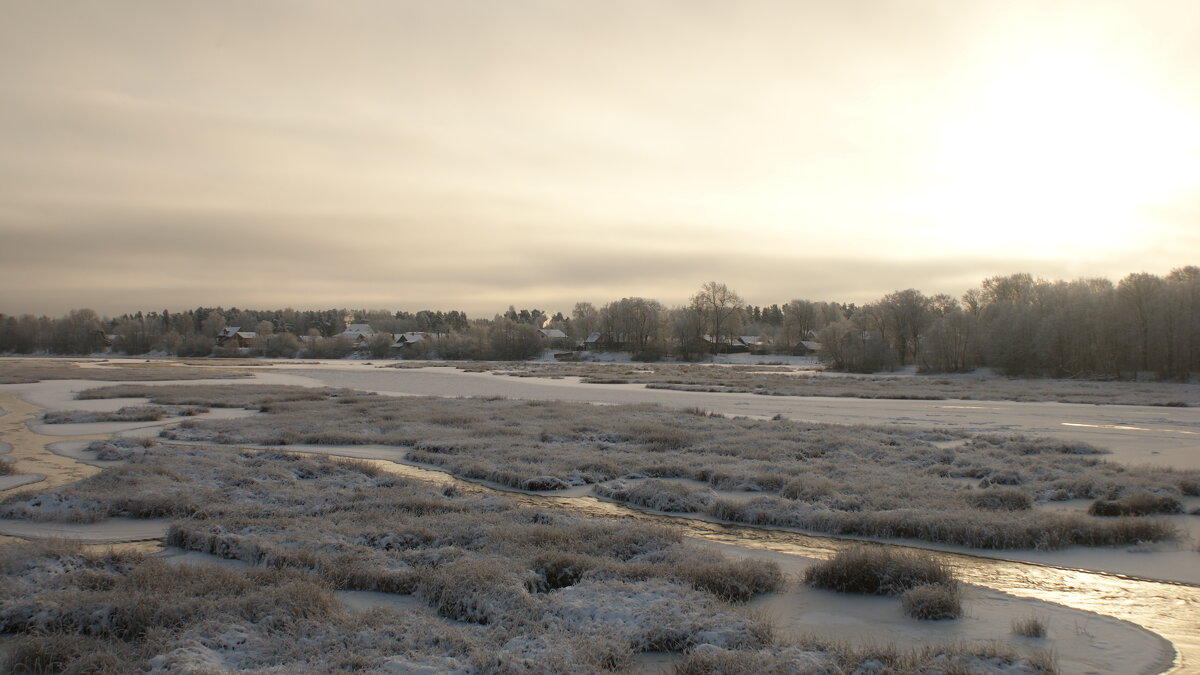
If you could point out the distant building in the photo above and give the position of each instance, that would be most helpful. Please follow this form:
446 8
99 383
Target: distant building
555 338
806 348
359 334
404 340
236 336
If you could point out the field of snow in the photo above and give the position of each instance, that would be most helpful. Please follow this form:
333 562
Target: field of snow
1082 642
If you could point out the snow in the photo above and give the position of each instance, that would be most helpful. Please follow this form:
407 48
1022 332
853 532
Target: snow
106 531
18 479
1135 434
1083 642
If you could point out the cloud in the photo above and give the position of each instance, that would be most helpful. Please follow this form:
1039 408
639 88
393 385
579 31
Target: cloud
465 154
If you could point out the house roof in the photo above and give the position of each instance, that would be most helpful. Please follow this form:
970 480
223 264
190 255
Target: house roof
594 337
552 333
358 329
408 338
228 331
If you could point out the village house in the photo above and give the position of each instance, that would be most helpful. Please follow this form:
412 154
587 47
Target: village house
359 334
555 338
235 335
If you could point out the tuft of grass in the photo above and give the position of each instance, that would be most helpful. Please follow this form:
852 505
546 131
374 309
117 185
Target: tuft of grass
812 657
1001 499
877 570
129 413
933 602
1136 504
1029 626
733 581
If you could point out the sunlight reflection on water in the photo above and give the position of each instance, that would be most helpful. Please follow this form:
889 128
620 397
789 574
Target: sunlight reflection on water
1169 609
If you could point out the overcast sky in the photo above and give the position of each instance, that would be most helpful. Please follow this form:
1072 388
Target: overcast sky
469 155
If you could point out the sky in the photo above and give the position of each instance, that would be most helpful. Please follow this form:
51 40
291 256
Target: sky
473 154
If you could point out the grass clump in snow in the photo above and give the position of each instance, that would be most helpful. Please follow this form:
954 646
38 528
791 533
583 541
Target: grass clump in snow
215 395
877 571
1001 499
129 413
110 612
815 658
860 481
1136 504
933 602
537 586
1029 626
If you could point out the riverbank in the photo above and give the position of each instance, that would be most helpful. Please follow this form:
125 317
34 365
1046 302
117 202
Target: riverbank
59 395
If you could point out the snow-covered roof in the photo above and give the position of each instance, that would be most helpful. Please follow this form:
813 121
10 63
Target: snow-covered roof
809 344
246 334
594 337
355 329
408 338
552 333
228 331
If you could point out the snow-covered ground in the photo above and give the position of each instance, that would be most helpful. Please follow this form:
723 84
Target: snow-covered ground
1083 642
107 531
1135 434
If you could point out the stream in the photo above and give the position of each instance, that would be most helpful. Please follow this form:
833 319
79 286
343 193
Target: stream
1171 610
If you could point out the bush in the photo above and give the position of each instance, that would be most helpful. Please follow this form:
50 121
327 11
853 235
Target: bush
1001 499
195 345
1030 626
1136 504
877 570
933 602
733 581
281 345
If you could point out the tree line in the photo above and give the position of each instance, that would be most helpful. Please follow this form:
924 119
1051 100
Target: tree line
1017 324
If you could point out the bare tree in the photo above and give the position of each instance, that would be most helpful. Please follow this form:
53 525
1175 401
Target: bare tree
636 323
907 314
799 322
1142 294
584 319
719 309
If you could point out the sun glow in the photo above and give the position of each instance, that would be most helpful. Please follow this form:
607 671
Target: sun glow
1058 154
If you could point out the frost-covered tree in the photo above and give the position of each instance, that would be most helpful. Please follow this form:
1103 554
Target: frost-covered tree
720 310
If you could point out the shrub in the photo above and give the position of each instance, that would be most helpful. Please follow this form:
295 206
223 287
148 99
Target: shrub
733 581
1030 626
808 488
1136 504
1001 499
933 602
476 591
877 570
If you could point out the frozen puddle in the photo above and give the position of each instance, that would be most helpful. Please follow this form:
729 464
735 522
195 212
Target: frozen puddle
97 428
16 480
105 531
1082 641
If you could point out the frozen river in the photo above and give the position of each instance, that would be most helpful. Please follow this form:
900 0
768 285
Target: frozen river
1135 434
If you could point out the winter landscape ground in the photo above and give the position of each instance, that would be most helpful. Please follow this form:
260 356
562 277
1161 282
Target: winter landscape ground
332 516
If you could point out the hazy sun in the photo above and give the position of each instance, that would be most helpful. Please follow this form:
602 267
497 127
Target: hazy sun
1057 152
